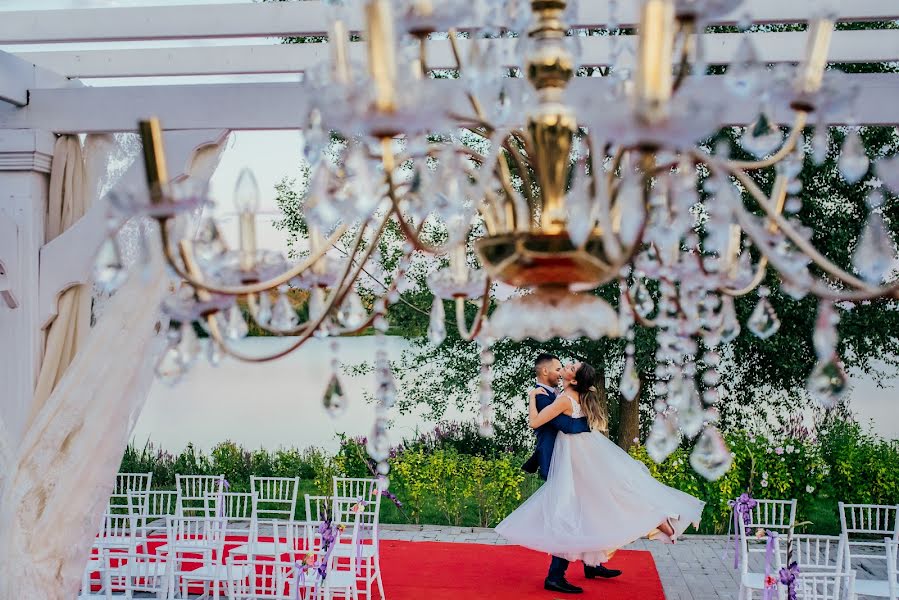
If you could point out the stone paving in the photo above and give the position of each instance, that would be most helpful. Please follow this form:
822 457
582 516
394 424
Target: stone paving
698 567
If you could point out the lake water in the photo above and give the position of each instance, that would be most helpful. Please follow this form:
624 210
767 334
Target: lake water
279 403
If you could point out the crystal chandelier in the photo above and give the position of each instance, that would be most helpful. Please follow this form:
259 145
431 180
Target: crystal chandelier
555 194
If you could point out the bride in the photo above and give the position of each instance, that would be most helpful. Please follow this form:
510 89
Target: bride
596 498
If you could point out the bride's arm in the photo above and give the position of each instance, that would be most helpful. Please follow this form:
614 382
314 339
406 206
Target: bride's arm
536 419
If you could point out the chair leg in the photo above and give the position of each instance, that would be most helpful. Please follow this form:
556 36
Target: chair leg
378 575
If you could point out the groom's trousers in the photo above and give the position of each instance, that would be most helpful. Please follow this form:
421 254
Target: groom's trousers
557 568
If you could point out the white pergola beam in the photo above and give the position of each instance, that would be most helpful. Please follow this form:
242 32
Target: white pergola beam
282 105
847 47
281 19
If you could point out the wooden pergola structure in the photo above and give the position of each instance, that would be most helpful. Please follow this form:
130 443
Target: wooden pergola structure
43 95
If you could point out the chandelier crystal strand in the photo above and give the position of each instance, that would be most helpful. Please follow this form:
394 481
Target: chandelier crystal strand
485 415
828 383
378 442
334 400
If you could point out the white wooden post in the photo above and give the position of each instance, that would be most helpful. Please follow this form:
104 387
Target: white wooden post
25 157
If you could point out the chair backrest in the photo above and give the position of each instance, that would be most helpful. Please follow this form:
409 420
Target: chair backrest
238 508
142 573
353 529
355 487
367 508
251 579
825 586
876 520
206 533
817 553
116 526
318 508
750 545
101 567
192 490
277 496
161 503
125 483
776 515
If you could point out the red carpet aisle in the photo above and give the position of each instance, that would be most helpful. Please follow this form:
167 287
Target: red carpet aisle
450 571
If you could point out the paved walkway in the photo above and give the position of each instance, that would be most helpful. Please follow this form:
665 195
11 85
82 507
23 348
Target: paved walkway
698 567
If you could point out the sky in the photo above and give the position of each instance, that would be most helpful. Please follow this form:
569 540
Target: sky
273 155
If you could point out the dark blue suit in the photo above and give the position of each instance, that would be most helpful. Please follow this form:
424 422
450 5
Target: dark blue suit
540 461
546 435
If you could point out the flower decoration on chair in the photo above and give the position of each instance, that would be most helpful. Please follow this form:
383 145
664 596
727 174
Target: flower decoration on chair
553 196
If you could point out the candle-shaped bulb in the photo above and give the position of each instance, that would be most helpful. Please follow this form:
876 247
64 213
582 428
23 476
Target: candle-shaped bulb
246 192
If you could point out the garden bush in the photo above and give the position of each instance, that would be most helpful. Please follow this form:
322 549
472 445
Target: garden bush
454 477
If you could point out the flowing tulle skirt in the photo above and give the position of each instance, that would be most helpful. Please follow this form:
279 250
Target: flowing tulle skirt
596 500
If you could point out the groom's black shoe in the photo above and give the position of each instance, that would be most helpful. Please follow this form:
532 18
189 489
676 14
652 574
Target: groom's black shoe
600 571
561 586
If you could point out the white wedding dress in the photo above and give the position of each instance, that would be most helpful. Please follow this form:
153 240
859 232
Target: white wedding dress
596 500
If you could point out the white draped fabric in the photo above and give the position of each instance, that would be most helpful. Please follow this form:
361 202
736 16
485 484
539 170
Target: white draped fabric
56 482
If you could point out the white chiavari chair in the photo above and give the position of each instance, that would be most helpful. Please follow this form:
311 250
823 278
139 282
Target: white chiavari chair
143 574
341 572
254 579
825 586
368 509
752 579
867 527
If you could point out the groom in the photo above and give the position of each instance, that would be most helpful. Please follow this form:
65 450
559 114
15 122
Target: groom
548 369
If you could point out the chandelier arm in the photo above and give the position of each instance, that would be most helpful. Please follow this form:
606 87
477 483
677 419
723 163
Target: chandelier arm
780 192
644 321
757 278
687 30
609 242
522 167
799 123
816 287
307 329
423 55
469 334
251 288
518 210
804 245
357 243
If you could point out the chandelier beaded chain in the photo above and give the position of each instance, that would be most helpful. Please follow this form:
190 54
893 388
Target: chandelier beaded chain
545 190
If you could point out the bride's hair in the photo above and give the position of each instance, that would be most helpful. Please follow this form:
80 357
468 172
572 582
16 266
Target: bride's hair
585 385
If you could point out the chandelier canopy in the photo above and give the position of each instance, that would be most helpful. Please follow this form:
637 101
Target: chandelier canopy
554 192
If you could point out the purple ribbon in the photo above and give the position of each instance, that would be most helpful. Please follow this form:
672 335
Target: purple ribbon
788 578
223 486
742 506
770 581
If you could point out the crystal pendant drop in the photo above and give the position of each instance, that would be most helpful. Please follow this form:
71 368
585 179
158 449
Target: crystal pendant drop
437 325
828 384
208 244
630 381
692 416
762 137
664 438
377 444
743 73
853 161
109 271
875 252
334 401
763 322
236 327
189 348
170 369
643 302
315 139
264 309
352 314
711 457
730 325
284 317
820 144
580 210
